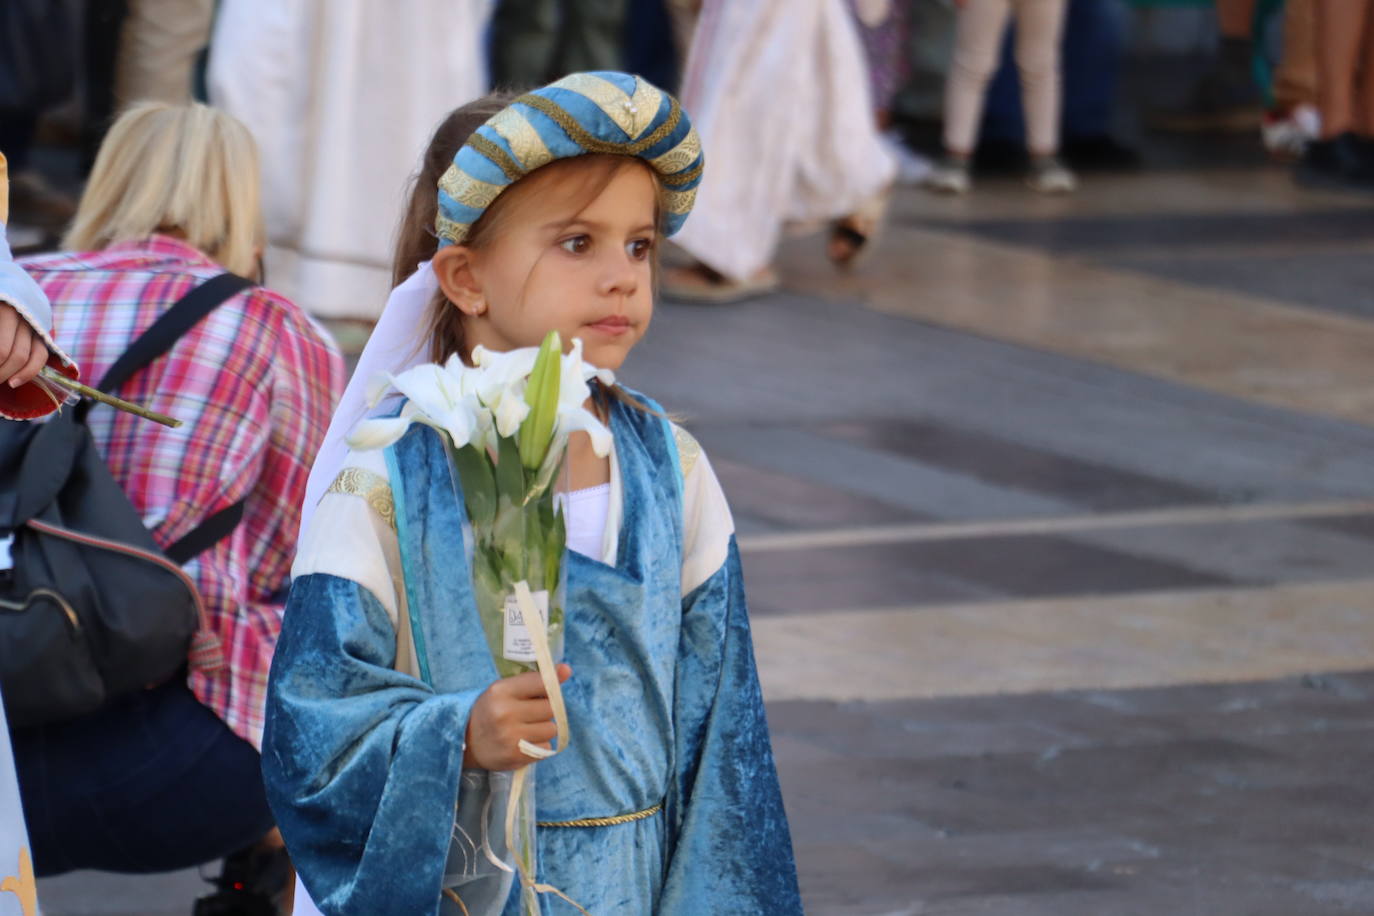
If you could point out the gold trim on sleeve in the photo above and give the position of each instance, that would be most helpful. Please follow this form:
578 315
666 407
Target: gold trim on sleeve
688 449
371 487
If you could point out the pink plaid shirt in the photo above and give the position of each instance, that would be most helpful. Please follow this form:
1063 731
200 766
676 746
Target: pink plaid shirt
255 384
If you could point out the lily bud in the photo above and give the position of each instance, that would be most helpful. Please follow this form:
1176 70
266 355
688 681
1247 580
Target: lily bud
541 394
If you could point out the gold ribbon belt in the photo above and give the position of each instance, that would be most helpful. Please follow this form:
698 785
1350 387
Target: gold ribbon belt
606 821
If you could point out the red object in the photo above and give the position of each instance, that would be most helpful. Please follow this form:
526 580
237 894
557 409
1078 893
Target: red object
29 401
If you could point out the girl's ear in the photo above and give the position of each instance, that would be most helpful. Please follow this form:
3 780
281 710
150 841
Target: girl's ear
453 266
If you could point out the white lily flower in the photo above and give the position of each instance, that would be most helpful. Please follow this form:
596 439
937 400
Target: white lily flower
378 432
500 380
581 419
437 398
377 387
573 393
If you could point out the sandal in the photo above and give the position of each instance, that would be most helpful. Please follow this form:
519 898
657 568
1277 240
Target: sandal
700 285
852 237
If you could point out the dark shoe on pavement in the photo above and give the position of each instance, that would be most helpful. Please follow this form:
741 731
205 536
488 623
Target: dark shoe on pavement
252 883
1346 161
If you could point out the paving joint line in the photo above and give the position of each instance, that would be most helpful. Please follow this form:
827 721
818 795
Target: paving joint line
1027 527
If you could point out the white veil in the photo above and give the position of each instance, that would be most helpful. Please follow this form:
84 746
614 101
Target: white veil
396 344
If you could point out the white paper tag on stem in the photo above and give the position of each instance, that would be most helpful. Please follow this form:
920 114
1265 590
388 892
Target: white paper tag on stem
516 645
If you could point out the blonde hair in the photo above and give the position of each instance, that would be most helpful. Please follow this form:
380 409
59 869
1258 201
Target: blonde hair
185 170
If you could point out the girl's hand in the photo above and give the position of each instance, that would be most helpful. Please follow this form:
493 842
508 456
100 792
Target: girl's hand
22 352
511 709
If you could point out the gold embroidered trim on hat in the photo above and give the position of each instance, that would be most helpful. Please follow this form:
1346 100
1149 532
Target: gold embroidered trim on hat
605 821
678 179
498 156
453 231
373 488
679 203
469 191
523 139
679 157
591 144
688 449
605 95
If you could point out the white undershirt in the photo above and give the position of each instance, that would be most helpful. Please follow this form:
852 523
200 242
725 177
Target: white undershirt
584 513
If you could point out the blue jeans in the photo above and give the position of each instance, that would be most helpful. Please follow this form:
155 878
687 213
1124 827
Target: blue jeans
155 782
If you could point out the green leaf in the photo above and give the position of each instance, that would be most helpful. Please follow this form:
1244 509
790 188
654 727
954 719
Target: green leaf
541 393
479 485
510 475
553 552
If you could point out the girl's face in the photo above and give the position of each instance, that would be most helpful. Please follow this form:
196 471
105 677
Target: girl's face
561 263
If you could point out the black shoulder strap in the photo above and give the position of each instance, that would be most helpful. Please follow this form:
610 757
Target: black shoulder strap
152 343
206 535
166 331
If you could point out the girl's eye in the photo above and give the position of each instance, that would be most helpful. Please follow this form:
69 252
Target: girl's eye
639 248
578 244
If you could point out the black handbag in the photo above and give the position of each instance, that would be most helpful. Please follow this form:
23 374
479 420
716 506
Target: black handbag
91 609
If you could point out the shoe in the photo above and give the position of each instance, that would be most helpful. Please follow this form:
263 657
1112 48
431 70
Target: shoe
1048 176
1286 135
949 177
252 883
853 237
912 167
1345 161
1098 153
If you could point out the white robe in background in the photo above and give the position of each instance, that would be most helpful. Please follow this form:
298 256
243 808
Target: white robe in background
779 91
342 97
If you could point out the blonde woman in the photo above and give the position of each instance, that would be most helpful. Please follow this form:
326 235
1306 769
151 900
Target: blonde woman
171 777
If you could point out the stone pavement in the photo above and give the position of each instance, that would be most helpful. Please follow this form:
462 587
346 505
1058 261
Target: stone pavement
1057 521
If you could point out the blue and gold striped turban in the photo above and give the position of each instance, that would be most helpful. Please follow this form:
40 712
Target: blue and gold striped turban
603 112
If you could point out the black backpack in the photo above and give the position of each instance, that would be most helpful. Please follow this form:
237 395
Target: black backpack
91 609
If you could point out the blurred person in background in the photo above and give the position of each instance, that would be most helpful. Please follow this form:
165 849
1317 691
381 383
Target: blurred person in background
1091 58
160 47
536 41
38 63
980 28
25 348
1344 152
779 91
884 27
1227 96
171 777
335 89
1294 121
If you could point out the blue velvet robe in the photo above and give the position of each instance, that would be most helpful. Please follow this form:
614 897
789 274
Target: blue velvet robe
363 764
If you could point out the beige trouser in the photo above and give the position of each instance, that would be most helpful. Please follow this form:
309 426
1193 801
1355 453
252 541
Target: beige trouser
1345 66
977 50
158 48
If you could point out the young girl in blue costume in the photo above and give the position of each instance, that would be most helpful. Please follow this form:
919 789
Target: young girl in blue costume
389 737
